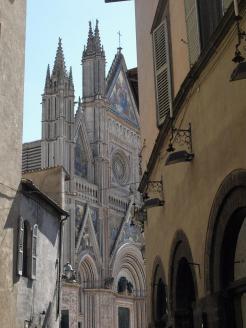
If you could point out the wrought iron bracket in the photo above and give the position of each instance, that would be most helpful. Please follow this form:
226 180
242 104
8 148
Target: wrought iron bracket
181 137
241 35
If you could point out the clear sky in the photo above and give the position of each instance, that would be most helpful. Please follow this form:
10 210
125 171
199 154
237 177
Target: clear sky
47 20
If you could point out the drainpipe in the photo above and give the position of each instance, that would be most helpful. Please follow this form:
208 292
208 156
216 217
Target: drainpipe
60 263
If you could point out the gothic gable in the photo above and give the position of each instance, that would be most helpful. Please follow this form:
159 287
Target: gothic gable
120 95
87 239
82 153
127 233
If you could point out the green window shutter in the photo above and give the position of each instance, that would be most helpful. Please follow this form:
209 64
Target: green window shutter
162 72
34 251
20 246
225 5
192 26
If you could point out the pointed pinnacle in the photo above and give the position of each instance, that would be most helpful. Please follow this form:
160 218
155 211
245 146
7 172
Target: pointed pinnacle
71 78
90 30
47 81
79 103
59 65
90 48
97 38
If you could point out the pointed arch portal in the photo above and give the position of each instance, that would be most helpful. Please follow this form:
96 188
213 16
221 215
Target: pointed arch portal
225 257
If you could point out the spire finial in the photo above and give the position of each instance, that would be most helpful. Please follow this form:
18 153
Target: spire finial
47 81
71 85
90 30
90 48
98 47
59 66
119 48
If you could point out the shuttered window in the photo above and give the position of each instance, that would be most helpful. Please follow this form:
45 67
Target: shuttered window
34 251
162 72
225 5
20 246
192 25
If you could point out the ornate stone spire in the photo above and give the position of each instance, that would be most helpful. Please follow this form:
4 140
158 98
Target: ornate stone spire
71 85
90 48
98 47
47 81
59 68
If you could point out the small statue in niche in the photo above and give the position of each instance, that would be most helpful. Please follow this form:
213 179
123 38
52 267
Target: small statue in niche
108 282
125 286
86 240
129 287
122 285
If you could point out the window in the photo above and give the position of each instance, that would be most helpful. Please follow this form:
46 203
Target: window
162 72
34 251
55 108
23 248
20 246
64 319
49 110
27 249
48 130
192 26
210 13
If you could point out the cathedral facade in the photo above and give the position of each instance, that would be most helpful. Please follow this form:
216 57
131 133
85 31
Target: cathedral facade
99 147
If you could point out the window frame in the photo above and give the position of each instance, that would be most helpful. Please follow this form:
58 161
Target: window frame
167 66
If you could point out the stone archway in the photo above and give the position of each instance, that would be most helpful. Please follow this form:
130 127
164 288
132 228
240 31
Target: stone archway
225 257
88 280
159 299
128 263
182 282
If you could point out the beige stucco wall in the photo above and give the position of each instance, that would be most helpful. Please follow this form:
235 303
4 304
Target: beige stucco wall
145 11
12 44
216 109
145 14
179 47
50 181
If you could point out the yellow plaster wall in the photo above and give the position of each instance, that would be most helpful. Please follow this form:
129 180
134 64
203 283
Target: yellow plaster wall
145 12
179 47
216 109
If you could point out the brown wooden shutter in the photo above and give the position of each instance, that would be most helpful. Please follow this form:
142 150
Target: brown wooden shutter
162 72
193 34
34 251
20 246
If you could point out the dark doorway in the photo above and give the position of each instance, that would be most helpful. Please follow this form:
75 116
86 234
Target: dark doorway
124 317
64 319
233 271
159 298
185 296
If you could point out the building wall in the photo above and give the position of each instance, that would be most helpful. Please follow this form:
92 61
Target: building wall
12 44
145 16
37 299
215 107
144 20
50 181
